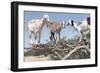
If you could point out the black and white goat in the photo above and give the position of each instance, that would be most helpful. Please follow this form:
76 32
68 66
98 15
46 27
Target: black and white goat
81 27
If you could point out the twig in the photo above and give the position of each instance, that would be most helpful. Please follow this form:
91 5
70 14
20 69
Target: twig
60 57
58 48
70 46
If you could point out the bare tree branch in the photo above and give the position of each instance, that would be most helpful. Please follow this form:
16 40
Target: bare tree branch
60 57
69 46
74 50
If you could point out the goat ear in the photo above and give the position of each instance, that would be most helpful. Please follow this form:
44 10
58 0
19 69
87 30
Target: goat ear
88 20
67 23
63 22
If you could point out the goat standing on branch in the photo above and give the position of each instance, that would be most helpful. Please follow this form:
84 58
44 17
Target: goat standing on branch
55 29
35 26
81 27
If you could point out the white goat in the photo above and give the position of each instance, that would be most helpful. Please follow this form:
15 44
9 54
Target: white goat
81 27
35 26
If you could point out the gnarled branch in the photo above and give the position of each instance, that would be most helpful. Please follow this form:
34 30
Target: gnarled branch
74 50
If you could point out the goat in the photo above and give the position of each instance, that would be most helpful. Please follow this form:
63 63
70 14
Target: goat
35 27
82 27
55 29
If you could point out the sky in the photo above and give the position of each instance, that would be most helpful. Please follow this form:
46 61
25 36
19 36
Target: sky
67 32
